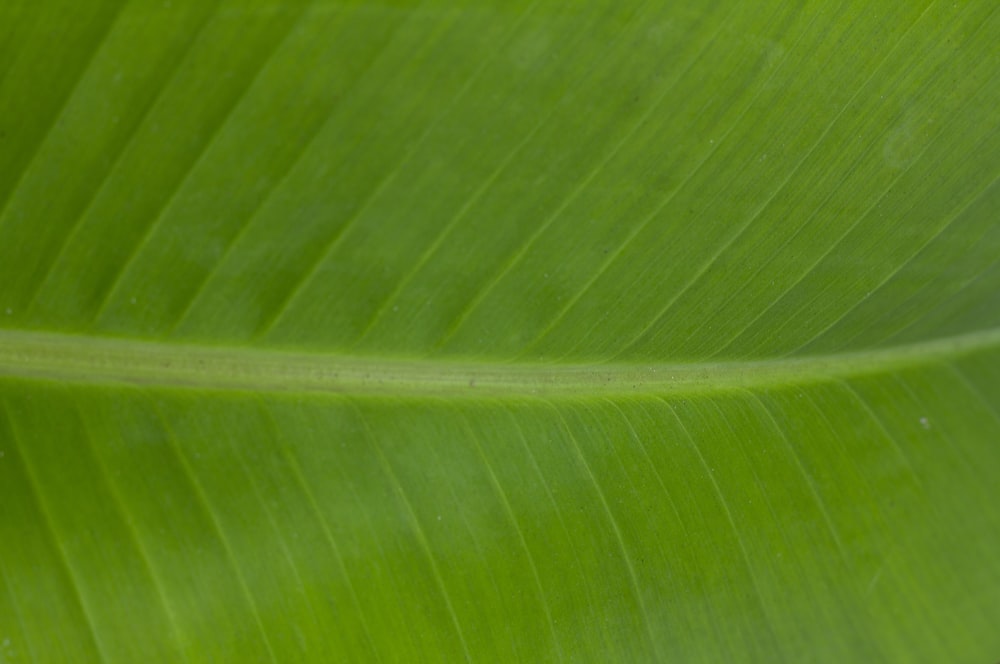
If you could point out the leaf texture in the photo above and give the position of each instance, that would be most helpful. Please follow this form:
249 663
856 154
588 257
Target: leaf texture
440 331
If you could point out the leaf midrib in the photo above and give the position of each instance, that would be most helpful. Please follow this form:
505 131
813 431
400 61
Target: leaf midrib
104 360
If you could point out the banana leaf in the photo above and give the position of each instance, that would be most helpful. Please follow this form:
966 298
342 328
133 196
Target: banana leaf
441 330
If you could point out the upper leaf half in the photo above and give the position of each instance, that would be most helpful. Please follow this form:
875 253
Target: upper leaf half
610 180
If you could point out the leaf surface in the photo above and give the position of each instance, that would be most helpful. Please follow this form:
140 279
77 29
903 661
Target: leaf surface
431 331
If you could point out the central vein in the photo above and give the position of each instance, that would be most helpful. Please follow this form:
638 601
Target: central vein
97 360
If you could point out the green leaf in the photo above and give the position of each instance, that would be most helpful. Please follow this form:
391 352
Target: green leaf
440 330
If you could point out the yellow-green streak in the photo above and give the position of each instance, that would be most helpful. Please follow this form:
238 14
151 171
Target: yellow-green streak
102 360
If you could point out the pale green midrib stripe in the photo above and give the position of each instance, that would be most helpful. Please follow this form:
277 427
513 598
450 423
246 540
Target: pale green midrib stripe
101 360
